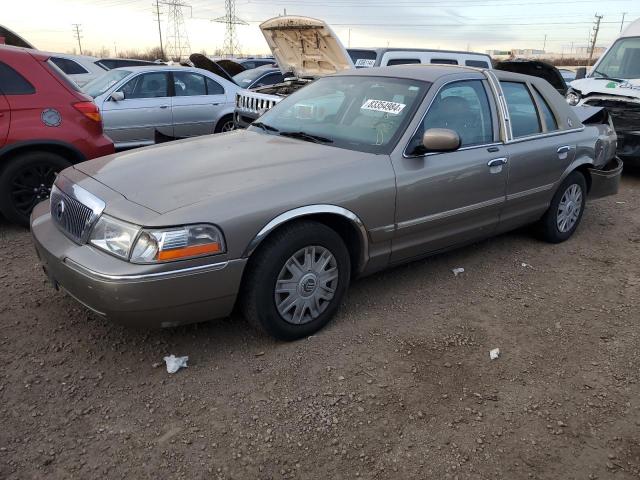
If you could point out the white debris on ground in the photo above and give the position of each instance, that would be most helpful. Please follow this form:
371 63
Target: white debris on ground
495 353
526 265
458 271
175 363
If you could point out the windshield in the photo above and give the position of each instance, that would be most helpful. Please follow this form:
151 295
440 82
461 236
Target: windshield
104 82
621 61
246 78
355 112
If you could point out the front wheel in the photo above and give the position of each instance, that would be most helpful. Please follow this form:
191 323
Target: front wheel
25 181
296 281
565 212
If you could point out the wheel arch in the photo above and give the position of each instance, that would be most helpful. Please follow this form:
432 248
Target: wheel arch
581 165
63 149
343 221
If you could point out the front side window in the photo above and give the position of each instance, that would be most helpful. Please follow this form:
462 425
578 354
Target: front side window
354 112
522 110
621 61
462 107
147 85
69 66
545 110
12 83
188 84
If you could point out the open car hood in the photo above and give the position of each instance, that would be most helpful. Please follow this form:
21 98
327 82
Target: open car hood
535 68
305 47
12 38
223 68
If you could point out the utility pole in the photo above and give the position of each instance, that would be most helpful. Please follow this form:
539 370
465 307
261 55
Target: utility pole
622 22
544 45
178 46
596 29
230 19
157 14
349 38
76 33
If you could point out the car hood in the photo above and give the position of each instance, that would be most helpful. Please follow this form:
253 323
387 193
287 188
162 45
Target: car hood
223 68
535 68
591 85
219 169
305 46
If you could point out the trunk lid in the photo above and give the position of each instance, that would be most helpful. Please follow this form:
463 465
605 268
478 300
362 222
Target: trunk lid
305 46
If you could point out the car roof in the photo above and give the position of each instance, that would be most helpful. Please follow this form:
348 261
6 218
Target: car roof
427 73
24 51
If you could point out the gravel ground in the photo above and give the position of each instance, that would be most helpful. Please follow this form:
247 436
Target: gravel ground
399 385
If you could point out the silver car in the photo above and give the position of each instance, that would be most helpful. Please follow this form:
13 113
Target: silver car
146 105
350 175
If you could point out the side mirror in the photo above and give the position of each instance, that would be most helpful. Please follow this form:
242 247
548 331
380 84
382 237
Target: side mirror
117 96
440 140
581 72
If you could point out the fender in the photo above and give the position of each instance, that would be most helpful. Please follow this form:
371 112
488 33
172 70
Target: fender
27 144
577 163
310 210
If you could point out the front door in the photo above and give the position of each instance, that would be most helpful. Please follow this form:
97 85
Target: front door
197 104
446 199
144 115
5 118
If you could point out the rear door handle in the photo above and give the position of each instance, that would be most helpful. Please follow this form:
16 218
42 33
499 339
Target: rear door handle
164 106
564 149
497 162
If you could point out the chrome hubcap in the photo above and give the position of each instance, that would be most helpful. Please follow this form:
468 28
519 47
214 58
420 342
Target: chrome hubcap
569 208
306 285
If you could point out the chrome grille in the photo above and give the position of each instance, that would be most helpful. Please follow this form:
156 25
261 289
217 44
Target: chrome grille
74 213
255 103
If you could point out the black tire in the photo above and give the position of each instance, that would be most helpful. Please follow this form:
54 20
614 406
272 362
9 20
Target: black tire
548 226
223 122
258 294
25 181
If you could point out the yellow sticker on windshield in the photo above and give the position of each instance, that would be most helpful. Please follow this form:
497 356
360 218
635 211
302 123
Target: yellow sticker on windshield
383 106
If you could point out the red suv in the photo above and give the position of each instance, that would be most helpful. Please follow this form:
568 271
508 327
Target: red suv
46 124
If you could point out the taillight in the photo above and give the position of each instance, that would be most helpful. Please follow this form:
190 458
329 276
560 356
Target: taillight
89 110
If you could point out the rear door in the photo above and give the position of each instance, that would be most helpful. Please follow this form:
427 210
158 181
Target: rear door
197 104
144 116
539 153
5 119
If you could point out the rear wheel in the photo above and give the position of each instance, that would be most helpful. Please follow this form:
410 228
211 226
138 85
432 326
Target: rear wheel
225 124
25 181
296 281
565 212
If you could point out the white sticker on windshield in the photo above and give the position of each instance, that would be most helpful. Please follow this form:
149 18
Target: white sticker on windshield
363 62
393 108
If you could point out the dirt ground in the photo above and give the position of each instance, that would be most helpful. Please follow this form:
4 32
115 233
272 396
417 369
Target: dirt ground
398 386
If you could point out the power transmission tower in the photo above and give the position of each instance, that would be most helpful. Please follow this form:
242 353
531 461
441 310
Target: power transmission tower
596 29
156 13
76 33
177 39
230 19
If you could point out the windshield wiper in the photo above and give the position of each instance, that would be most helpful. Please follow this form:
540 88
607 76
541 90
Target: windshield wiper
607 77
306 136
265 127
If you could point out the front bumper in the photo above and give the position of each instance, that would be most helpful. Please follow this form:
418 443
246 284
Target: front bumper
606 181
137 295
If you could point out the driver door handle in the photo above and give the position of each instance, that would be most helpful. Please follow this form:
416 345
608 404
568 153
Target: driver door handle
497 162
164 106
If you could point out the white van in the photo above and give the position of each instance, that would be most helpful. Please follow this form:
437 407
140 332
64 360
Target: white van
382 57
614 83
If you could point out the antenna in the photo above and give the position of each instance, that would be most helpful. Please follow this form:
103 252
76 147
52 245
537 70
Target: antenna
76 33
230 20
177 39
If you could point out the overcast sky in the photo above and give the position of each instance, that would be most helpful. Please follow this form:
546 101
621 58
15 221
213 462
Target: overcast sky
463 24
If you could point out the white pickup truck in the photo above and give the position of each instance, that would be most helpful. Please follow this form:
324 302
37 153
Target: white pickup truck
614 83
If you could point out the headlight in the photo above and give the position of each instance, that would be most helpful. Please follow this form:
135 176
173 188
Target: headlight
130 242
114 236
573 97
167 244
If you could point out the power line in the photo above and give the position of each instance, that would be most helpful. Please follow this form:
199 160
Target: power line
76 33
230 20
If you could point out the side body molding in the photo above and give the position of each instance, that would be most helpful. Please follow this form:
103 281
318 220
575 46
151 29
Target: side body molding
311 210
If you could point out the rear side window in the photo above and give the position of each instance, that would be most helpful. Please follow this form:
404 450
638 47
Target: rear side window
214 88
522 110
403 61
547 114
68 66
476 63
444 61
12 83
188 84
